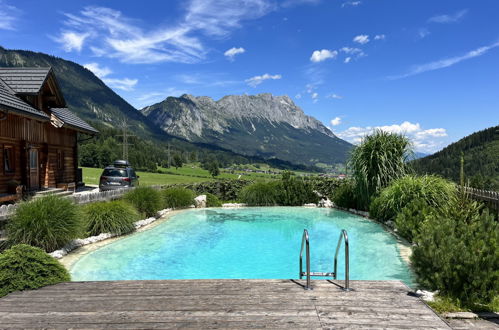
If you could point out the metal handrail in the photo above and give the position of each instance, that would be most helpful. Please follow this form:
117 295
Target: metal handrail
343 236
305 242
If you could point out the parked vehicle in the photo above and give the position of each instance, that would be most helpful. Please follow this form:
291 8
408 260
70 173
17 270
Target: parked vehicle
119 175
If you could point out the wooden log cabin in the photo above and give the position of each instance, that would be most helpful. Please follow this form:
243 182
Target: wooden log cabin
38 133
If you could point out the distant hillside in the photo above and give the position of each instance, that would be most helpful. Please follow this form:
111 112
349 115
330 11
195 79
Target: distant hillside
481 160
92 100
261 125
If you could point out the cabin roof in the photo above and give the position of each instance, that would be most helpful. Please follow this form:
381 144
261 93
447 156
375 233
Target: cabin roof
11 102
25 80
71 120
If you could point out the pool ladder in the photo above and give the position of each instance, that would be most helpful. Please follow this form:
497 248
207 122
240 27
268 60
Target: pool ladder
305 242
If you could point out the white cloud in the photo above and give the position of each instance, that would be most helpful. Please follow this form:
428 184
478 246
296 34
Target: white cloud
315 96
114 35
447 62
293 3
322 55
298 96
347 59
257 80
351 3
453 18
379 37
353 53
124 84
231 53
72 40
423 33
8 16
99 71
361 39
424 140
335 121
151 98
334 96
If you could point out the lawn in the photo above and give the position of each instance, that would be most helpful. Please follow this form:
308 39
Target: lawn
92 175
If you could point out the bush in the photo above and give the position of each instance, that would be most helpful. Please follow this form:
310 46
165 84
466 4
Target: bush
457 253
293 191
377 161
435 191
24 267
261 194
146 200
225 190
212 200
326 186
345 195
115 217
178 197
48 223
411 217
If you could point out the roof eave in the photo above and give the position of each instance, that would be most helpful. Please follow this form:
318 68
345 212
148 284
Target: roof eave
25 113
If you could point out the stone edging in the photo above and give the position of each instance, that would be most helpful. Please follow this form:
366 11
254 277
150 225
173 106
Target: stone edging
76 243
470 315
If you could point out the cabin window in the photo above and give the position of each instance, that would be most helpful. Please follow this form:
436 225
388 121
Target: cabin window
60 159
8 159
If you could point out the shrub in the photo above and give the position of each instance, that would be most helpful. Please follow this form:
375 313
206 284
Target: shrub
115 217
212 200
345 195
261 194
226 190
326 186
411 217
435 191
48 223
146 200
378 160
457 253
293 191
23 267
178 197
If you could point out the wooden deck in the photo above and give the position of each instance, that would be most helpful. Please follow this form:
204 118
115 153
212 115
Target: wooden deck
218 304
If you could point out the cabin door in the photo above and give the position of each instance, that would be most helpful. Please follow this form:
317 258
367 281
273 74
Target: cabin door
34 170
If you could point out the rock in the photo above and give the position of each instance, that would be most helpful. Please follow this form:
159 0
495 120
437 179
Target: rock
310 205
426 295
325 202
200 201
233 205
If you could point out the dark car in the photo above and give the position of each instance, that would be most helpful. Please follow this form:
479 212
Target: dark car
119 175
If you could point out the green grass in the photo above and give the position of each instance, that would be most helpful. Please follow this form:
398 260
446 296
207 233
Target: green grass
92 175
189 173
448 305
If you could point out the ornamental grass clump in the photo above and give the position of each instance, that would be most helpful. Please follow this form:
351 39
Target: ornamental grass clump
456 252
377 161
212 200
433 190
146 200
49 223
116 217
178 198
261 194
24 267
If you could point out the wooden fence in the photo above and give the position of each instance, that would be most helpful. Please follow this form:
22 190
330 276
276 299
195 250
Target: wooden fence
491 198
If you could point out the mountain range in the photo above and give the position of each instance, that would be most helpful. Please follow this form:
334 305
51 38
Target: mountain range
262 127
256 125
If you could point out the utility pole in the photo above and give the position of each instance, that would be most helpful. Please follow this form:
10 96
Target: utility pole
125 136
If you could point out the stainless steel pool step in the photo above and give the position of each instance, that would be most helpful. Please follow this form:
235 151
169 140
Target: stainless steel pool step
305 242
318 274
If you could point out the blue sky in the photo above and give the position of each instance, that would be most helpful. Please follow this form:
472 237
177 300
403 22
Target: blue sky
426 68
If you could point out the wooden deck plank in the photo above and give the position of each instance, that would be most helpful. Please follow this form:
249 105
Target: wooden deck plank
218 304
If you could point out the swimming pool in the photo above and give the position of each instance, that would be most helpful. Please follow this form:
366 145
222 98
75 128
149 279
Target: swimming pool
246 243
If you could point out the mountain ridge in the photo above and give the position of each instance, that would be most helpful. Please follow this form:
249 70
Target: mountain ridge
263 125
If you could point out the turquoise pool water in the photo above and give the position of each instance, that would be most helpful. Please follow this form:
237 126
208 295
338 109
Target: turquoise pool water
258 243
